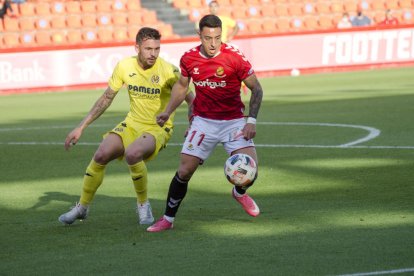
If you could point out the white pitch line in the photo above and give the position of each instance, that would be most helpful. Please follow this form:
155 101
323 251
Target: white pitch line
372 133
180 144
394 271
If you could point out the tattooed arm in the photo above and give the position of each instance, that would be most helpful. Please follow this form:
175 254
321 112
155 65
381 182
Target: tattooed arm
97 110
249 130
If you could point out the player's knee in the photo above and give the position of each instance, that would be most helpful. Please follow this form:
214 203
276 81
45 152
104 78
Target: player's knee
102 157
133 157
185 173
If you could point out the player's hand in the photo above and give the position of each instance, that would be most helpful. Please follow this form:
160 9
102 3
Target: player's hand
162 118
249 131
73 138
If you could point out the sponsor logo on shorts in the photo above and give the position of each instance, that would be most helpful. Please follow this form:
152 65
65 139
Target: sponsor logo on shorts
190 147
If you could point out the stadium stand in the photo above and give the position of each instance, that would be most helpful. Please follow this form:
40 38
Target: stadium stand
74 22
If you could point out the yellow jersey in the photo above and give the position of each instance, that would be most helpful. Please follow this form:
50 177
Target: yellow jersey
226 24
149 90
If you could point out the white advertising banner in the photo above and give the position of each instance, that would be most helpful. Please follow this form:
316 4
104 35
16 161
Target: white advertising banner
56 68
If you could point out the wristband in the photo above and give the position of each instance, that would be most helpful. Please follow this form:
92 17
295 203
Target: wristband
251 120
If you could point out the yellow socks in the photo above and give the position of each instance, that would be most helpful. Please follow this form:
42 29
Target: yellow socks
91 182
140 179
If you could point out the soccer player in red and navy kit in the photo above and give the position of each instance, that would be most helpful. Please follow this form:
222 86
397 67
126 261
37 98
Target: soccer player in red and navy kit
217 71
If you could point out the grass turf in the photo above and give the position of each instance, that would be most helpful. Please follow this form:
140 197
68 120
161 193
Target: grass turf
325 210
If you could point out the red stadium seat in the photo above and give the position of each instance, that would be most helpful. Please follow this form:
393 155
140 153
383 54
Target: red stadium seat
42 8
74 36
377 5
88 6
58 8
281 10
121 35
58 22
336 7
119 19
11 24
89 20
89 35
197 3
149 17
311 23
58 37
27 23
105 34
406 4
283 24
74 21
239 12
133 6
180 4
295 9
27 9
350 6
73 7
42 38
392 4
104 19
269 25
118 6
268 11
104 6
42 23
133 19
11 39
326 22
322 8
26 39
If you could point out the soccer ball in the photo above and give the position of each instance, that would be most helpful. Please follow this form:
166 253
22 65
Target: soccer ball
240 169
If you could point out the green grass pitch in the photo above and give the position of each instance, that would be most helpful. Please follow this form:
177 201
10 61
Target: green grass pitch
335 187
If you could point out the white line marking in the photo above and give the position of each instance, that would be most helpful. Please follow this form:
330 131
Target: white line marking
372 133
395 271
180 144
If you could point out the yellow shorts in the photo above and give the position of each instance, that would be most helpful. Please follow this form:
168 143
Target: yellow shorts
130 130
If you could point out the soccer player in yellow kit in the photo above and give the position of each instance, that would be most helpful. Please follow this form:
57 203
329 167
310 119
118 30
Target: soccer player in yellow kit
229 26
149 80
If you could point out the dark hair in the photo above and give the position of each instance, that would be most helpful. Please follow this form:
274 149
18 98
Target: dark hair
211 21
147 33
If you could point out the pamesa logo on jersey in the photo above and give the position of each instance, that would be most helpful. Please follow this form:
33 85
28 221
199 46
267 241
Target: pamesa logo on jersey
143 89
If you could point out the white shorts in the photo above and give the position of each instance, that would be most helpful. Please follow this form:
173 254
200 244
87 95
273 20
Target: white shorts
204 135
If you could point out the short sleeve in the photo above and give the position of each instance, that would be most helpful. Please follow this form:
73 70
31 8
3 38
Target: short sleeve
184 68
244 67
116 81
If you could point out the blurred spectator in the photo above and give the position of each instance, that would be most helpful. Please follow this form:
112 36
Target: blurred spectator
345 22
6 9
360 20
229 26
389 19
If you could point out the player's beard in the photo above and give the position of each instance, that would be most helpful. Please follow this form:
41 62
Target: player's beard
147 63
